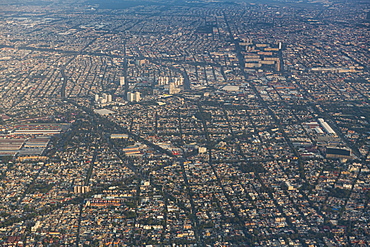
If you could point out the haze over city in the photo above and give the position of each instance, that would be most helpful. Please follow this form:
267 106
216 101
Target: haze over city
184 123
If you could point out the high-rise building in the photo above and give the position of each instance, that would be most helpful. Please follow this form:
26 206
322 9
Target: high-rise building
163 80
130 97
80 189
179 81
137 96
133 96
109 98
105 98
122 81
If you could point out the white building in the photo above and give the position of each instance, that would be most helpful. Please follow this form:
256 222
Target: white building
130 97
133 96
137 96
122 81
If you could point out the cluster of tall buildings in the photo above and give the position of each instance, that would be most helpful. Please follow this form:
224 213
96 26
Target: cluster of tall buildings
261 55
80 189
107 98
103 99
165 80
133 96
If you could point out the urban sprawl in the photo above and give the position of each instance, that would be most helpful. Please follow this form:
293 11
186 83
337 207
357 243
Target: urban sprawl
171 123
